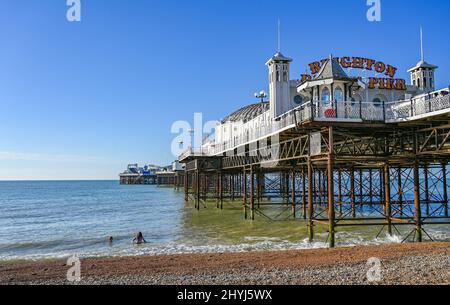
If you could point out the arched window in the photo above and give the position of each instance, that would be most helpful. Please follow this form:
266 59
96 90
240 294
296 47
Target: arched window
326 95
338 95
376 101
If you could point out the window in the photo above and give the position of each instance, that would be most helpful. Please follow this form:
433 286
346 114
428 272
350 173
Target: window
298 99
338 95
418 82
325 96
378 102
414 82
424 82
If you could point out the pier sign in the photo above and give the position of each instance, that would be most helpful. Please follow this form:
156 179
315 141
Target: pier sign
362 63
357 63
387 83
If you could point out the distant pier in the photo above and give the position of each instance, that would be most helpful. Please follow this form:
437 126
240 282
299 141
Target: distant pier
151 175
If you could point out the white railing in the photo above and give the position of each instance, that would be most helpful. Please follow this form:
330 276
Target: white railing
350 111
286 121
404 110
196 152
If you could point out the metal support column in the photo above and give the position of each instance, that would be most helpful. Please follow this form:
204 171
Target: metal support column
387 192
330 174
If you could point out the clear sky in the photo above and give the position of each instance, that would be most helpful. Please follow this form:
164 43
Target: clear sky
82 100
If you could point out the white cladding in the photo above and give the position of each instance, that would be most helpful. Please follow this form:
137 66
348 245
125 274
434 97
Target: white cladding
279 84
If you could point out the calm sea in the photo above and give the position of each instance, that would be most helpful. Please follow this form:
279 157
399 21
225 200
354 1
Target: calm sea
60 219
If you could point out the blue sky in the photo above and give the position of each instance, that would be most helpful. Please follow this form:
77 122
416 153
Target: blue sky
81 100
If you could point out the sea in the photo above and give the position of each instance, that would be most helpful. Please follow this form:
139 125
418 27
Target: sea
59 219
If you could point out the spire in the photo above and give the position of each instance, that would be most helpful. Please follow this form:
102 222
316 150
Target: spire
278 56
422 57
422 63
279 36
331 69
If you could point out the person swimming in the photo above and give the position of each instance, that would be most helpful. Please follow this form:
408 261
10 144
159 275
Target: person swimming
139 239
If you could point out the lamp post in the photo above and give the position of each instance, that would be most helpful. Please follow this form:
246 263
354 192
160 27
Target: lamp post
191 134
261 95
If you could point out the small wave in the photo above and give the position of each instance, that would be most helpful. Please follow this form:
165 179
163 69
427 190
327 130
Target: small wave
177 248
249 244
261 238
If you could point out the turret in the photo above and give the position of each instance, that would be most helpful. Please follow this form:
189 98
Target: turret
279 84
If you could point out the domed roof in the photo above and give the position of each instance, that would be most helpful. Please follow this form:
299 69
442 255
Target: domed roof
247 113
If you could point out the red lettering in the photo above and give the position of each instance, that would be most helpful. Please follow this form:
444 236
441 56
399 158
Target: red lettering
400 84
358 63
369 63
390 71
380 67
390 83
345 62
305 78
372 82
315 67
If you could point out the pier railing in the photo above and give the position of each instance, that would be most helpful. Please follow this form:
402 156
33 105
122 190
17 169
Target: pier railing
197 152
345 111
408 110
310 111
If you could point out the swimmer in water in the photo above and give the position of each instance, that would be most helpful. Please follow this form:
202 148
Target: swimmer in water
139 239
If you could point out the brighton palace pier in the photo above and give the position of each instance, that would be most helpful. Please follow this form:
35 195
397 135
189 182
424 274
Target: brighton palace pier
333 150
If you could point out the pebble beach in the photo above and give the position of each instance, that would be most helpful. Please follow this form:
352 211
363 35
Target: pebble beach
406 264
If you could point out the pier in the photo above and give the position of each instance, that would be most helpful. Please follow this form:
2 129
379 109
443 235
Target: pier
162 176
135 175
334 162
